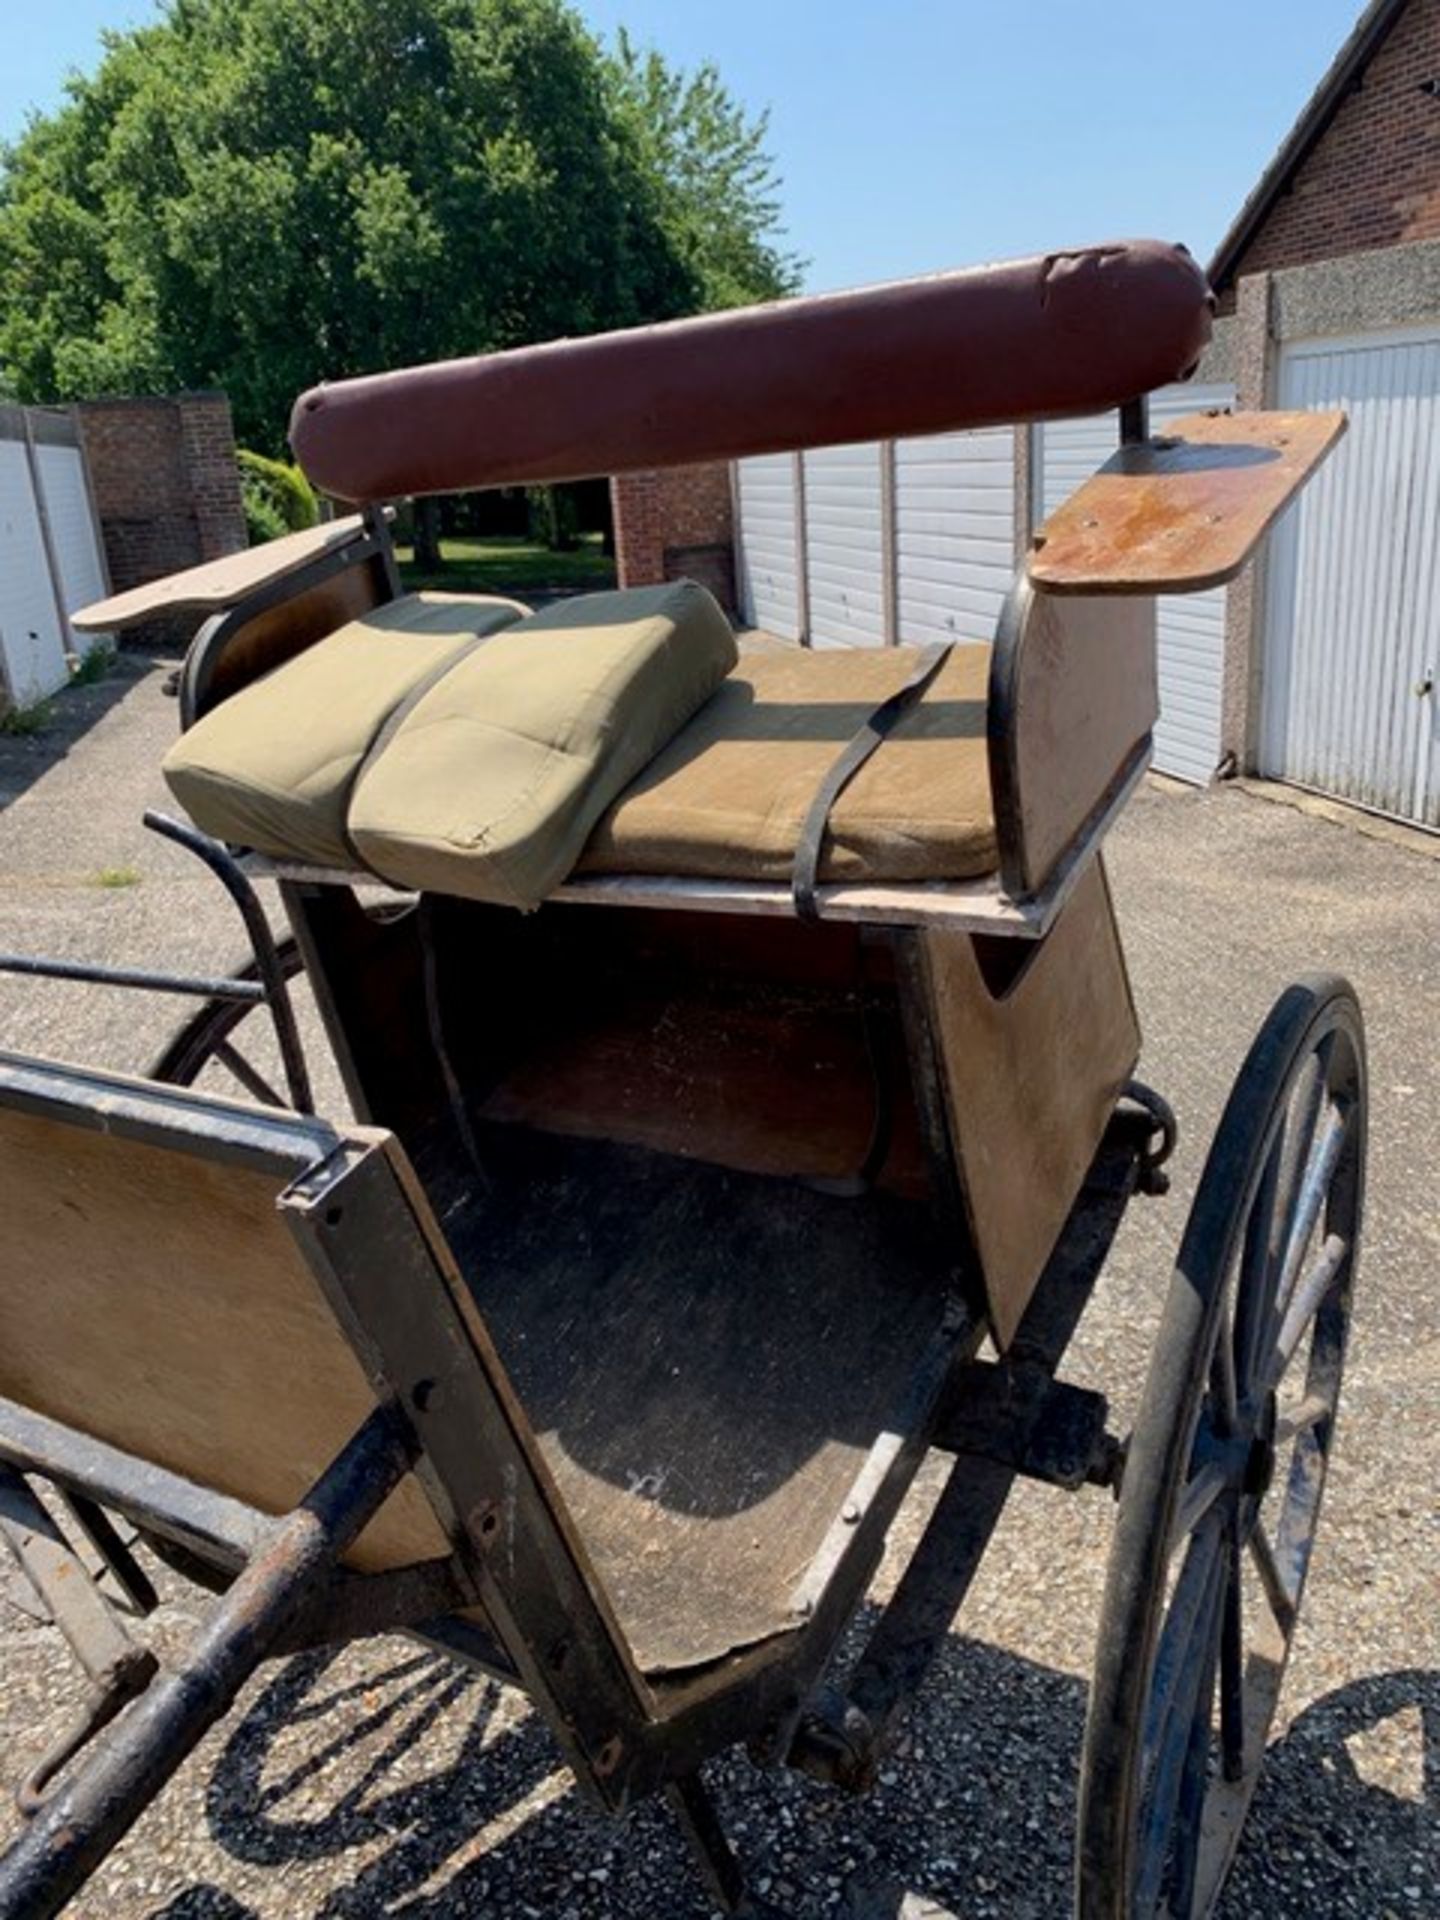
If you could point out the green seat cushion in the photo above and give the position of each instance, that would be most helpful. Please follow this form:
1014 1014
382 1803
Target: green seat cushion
491 782
272 767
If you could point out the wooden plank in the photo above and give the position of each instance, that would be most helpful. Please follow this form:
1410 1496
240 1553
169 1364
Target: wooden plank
1183 510
749 1073
1034 1060
976 906
1074 700
217 584
151 1297
229 652
980 905
707 1388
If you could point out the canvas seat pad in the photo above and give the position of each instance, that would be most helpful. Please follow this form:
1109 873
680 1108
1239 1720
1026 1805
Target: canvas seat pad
273 766
491 783
728 797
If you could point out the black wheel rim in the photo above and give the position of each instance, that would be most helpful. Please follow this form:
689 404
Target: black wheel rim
1231 1471
235 1040
230 1045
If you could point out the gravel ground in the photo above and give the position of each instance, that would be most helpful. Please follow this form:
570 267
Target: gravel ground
382 1780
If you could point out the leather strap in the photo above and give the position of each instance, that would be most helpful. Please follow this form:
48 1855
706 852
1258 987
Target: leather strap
804 875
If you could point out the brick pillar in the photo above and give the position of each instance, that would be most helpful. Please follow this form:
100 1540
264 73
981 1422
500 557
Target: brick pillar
166 490
207 439
1245 597
639 541
676 524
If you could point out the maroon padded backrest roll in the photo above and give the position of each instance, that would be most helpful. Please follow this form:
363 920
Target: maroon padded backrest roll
1066 333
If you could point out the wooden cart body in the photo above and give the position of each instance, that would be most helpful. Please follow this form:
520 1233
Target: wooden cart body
605 1347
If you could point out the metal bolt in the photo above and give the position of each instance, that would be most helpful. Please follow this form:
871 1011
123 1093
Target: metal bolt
850 1513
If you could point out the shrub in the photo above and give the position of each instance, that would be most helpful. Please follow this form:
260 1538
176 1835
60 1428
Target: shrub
92 665
277 497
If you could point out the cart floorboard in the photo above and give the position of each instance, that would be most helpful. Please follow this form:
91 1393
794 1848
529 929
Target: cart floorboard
685 1340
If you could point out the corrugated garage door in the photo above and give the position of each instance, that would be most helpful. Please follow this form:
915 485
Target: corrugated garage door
1190 628
954 533
766 572
951 541
72 534
1352 627
844 546
32 649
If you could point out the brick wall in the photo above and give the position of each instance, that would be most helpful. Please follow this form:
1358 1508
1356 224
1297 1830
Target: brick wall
1373 179
676 523
166 488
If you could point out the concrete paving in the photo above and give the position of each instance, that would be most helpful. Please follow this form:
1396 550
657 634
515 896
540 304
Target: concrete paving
381 1780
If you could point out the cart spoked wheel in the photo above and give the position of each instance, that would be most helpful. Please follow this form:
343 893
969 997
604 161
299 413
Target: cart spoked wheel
232 1035
1225 1471
232 1043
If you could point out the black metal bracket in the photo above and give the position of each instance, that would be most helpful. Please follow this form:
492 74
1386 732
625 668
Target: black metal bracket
999 1420
1020 1418
1152 1178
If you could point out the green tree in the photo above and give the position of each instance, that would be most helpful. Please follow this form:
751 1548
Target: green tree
256 195
719 192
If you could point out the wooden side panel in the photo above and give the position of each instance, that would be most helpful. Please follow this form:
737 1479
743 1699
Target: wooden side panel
217 583
760 1045
1073 699
1185 509
155 1299
1034 1060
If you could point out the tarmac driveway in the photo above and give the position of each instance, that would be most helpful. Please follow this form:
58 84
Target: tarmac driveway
382 1780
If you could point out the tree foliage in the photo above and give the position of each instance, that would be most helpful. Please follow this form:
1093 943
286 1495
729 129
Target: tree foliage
719 196
276 496
257 195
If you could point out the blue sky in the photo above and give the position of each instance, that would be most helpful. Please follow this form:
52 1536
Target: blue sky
917 134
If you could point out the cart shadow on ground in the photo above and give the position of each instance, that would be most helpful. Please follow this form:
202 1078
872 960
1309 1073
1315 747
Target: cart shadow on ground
972 1817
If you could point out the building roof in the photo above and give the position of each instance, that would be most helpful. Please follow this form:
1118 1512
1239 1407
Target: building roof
1345 73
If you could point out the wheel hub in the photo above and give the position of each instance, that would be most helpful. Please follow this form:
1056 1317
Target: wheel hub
1260 1463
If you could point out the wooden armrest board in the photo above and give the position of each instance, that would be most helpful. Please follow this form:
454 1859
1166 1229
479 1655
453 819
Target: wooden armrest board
216 584
1183 510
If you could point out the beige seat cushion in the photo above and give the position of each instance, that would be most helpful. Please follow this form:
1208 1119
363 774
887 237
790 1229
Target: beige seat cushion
492 781
272 767
727 798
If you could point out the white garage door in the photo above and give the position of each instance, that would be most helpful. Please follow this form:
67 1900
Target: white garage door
32 650
766 566
845 546
72 534
1352 627
950 542
954 533
1190 628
